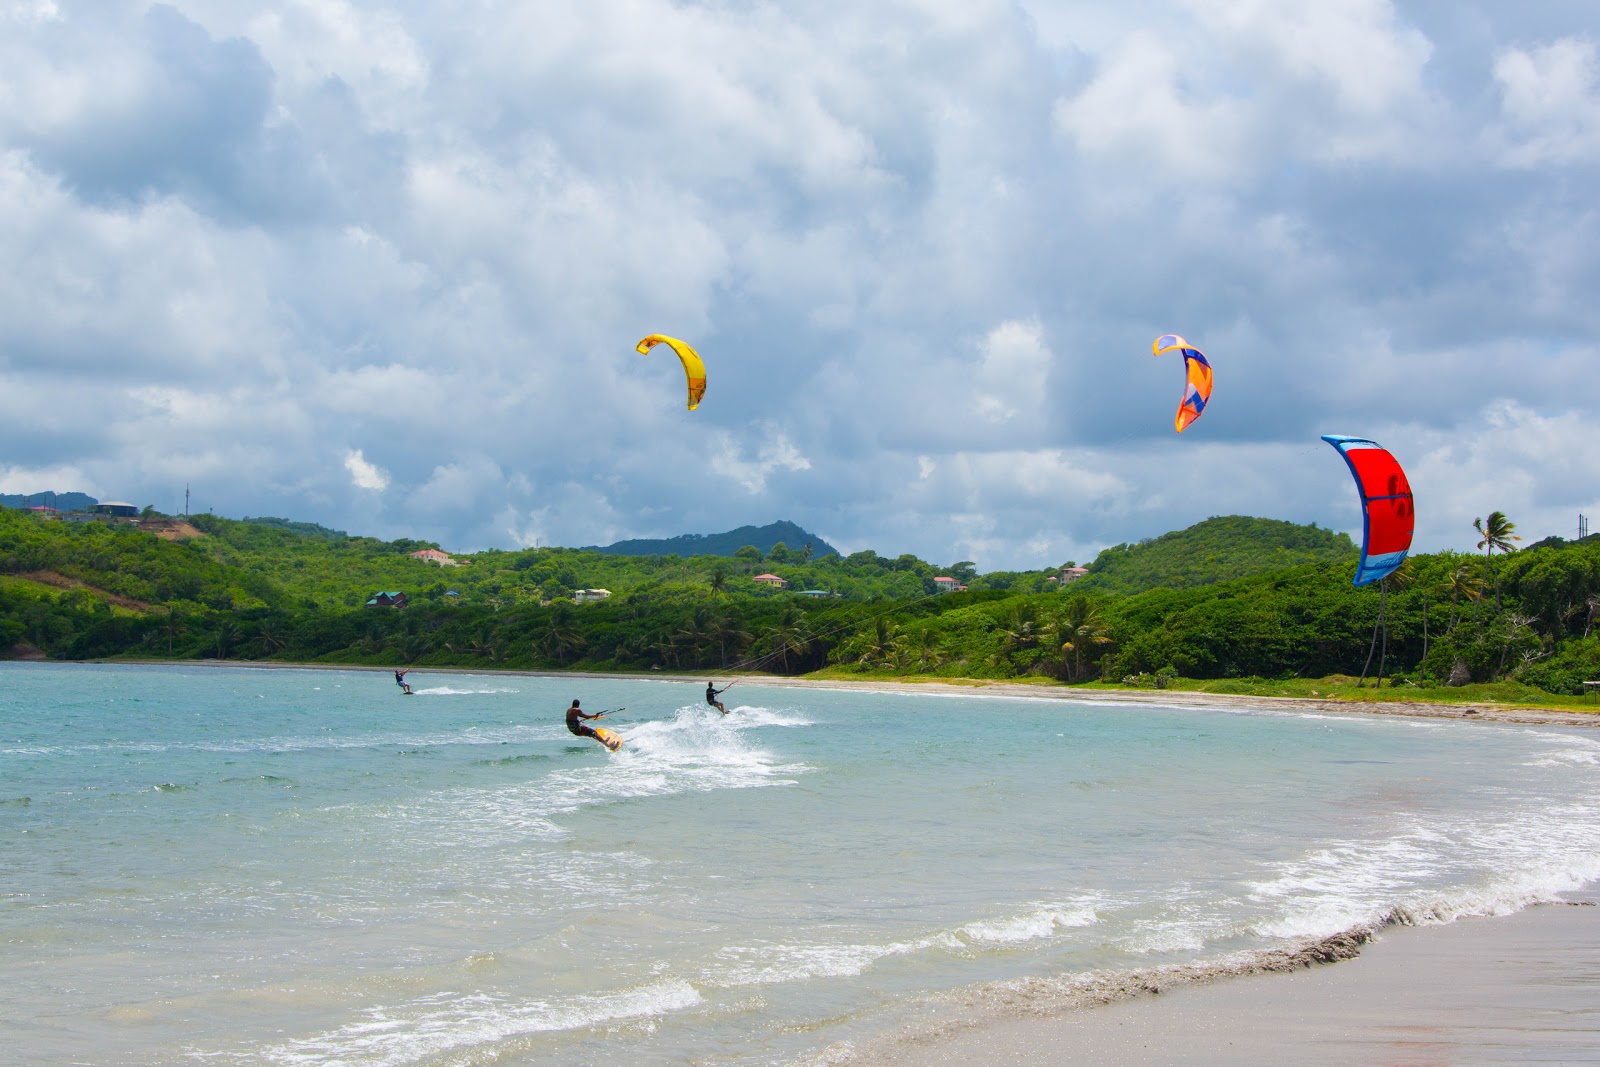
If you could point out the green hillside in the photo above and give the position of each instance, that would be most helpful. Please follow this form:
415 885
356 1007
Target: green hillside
1232 601
1216 550
765 538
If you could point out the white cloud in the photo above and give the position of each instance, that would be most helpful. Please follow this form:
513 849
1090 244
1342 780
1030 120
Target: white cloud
923 246
1011 370
1550 101
775 452
1141 111
365 475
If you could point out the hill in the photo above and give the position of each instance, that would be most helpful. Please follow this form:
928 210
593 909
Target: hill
1216 550
304 529
60 501
723 544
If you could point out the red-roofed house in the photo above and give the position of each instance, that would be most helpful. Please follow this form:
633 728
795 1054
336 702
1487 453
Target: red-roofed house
948 585
433 555
1072 574
772 580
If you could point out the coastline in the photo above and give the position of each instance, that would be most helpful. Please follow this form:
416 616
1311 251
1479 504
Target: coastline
1484 990
1507 988
975 687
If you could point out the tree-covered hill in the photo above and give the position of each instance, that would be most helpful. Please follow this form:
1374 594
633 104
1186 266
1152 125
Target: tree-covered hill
275 591
1216 550
764 538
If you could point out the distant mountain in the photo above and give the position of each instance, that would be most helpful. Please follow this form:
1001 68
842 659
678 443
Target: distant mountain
60 501
304 529
723 544
1233 546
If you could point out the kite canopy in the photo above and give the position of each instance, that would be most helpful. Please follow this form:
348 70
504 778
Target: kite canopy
693 369
1387 515
1197 372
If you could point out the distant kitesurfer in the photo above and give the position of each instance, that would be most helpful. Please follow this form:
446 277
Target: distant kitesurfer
711 696
578 728
400 680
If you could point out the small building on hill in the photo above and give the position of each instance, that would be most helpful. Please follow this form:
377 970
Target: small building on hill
388 600
433 555
43 511
817 594
115 509
1072 574
590 596
772 580
946 584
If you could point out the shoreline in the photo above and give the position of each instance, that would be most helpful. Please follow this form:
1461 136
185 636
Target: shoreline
981 688
1480 990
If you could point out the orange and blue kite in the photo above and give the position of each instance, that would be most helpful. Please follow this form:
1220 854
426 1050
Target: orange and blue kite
1197 374
1387 517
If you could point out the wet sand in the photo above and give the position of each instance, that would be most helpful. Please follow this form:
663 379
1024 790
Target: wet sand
1522 988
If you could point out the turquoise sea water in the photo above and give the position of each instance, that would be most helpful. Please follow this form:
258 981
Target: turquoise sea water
210 865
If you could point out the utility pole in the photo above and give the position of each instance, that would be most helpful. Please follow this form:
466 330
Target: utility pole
1583 526
186 500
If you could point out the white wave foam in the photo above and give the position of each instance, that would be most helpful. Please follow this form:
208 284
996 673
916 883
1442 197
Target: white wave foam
447 691
451 1023
744 716
771 964
1495 866
1044 922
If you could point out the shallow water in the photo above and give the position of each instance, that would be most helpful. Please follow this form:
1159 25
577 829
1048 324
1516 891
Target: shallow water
304 867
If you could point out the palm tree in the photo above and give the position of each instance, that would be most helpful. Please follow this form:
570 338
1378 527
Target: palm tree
1497 532
728 627
1080 629
719 580
173 626
270 637
226 636
883 644
561 637
1461 582
789 636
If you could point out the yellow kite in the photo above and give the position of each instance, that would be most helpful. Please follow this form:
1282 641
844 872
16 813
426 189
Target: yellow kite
693 369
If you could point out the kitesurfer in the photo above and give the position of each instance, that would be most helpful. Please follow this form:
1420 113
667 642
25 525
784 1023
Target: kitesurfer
711 696
577 727
400 680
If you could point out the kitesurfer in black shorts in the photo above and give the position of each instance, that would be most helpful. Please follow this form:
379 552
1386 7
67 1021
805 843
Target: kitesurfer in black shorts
711 696
400 680
578 728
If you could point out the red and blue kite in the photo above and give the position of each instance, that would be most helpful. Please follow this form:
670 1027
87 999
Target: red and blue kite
1386 511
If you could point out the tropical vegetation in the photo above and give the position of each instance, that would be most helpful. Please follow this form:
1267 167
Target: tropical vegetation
1199 606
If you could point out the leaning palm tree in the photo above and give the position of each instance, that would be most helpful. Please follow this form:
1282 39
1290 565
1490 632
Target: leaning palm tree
1461 583
1497 533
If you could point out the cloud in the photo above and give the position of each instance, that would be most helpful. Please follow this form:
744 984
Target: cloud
774 454
363 474
1550 102
923 246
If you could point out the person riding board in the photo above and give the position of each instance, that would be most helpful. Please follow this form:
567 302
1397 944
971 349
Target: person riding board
574 714
711 696
400 680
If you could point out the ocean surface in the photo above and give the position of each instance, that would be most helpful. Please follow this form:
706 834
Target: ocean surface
301 867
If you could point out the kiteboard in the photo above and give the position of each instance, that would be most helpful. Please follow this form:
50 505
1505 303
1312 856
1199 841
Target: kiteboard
609 738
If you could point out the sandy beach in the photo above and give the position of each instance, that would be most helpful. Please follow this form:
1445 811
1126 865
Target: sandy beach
1513 989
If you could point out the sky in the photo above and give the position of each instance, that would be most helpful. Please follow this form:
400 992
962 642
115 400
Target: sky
383 266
